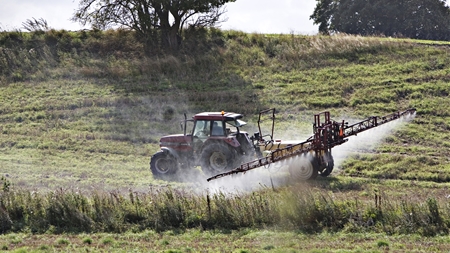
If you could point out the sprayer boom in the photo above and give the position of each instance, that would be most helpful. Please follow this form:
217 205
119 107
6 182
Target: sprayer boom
375 121
327 134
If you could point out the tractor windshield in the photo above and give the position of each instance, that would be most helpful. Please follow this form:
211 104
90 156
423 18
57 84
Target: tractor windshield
202 129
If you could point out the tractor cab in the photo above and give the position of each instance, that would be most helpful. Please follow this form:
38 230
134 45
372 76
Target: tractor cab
218 127
212 140
215 124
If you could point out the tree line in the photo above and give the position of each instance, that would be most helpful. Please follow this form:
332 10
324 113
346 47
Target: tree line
159 24
417 19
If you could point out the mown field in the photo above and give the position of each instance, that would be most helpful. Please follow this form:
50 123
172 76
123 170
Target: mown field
81 114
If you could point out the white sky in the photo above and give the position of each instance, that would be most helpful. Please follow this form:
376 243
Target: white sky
260 16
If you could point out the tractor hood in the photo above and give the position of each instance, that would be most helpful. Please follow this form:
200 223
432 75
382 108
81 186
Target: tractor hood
175 140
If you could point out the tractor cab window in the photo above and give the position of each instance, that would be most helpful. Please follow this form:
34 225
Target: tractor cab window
202 129
217 128
235 125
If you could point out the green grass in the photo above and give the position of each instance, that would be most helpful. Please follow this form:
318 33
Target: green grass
337 204
236 241
81 118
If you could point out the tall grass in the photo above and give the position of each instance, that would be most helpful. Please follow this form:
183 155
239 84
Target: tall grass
300 207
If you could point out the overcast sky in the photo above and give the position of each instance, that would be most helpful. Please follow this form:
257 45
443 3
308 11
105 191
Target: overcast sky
260 16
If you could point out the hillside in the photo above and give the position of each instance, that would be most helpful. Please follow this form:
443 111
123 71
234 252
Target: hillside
82 112
87 109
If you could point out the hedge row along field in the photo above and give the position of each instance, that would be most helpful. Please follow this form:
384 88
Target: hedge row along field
309 208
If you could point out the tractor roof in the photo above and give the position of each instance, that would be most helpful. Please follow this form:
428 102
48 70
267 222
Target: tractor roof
218 116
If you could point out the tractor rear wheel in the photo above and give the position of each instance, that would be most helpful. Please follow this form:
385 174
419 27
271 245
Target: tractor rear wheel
304 168
163 165
328 165
217 158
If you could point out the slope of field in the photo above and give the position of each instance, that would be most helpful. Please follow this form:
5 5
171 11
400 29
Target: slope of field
82 113
79 115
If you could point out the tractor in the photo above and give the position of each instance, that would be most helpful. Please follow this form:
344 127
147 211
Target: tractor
215 142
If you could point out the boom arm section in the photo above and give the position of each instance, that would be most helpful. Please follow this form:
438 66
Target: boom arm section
327 134
374 121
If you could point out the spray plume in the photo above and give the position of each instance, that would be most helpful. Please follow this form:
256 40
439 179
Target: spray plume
368 140
277 173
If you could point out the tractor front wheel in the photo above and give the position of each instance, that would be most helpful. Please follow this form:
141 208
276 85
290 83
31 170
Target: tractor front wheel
217 158
163 165
304 168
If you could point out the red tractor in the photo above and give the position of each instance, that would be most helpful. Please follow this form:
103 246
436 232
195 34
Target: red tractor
215 143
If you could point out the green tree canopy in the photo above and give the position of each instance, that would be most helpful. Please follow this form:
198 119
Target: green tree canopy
417 19
163 19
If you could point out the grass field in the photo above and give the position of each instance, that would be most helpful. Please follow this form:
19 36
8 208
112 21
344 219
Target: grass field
219 241
81 118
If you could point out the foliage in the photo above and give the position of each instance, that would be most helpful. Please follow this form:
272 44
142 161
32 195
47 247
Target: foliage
322 15
36 25
411 18
299 207
151 19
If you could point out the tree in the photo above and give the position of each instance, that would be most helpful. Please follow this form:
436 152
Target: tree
151 18
322 15
410 18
